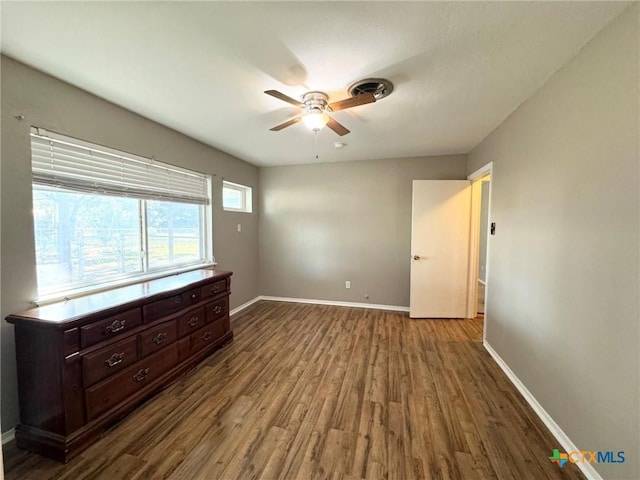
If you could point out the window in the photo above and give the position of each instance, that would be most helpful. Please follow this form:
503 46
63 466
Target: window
103 217
236 197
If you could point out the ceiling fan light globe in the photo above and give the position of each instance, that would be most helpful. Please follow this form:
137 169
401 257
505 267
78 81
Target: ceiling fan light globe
315 121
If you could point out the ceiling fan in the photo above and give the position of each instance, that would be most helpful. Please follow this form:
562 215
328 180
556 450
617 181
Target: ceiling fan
316 106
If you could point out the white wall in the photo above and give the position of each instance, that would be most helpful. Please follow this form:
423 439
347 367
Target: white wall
563 309
50 103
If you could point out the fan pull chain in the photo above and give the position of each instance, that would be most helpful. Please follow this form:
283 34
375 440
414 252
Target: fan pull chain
316 140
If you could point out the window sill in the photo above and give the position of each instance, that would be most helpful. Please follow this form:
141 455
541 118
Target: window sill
234 210
103 287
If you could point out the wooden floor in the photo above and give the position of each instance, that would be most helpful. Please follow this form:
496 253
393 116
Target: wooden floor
309 391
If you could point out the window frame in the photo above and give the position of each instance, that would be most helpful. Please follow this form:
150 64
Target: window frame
246 193
205 241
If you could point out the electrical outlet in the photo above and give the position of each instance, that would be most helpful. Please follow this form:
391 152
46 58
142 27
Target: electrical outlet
347 284
239 227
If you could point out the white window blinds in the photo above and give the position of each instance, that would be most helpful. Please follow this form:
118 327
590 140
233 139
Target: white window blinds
65 162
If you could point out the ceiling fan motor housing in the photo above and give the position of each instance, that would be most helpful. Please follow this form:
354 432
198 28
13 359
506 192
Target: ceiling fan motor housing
315 102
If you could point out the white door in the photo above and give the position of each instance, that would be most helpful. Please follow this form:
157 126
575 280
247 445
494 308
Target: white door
440 226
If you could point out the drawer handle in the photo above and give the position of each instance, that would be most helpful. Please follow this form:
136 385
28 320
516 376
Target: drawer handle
116 326
160 338
177 300
193 296
217 309
193 321
215 289
207 336
141 375
114 359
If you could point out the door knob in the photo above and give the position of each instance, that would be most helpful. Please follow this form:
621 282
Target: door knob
416 257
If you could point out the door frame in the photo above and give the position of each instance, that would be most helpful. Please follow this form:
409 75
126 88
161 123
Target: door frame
474 243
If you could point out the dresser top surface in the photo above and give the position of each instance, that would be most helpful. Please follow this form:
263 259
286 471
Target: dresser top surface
60 313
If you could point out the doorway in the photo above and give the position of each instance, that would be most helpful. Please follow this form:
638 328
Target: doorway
445 246
482 249
481 183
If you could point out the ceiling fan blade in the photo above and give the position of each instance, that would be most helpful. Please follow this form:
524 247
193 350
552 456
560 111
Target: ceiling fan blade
282 96
286 124
337 127
361 99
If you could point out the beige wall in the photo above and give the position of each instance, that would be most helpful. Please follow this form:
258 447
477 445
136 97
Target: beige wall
60 107
323 224
563 270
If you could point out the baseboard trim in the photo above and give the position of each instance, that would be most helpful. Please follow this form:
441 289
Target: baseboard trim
244 305
563 439
8 436
374 306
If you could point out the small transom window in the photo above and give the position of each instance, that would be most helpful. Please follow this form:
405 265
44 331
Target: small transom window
236 197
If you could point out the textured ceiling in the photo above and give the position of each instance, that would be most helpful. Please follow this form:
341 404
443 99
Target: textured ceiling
459 68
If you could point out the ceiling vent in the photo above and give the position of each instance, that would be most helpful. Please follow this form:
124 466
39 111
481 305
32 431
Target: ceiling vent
379 87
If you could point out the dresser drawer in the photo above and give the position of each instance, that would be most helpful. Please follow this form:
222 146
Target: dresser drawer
217 309
209 334
71 341
111 392
109 327
107 361
191 321
184 348
214 289
159 309
158 337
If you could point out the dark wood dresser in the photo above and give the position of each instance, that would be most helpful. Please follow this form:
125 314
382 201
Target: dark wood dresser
87 362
